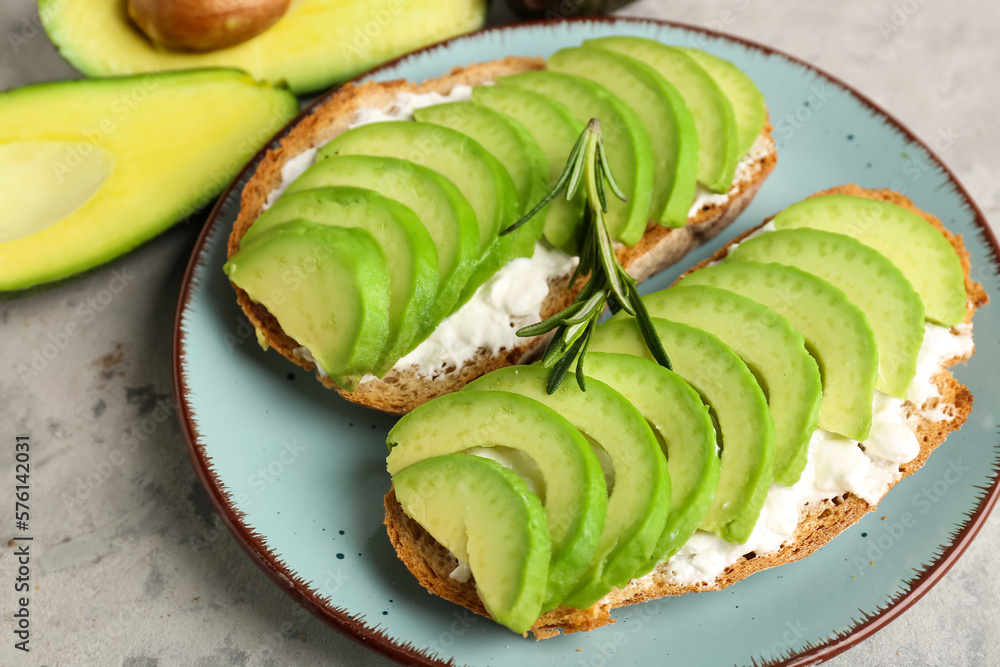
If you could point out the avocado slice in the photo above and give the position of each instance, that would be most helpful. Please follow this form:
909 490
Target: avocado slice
663 113
315 44
626 141
871 282
409 252
91 169
718 138
508 141
571 487
914 245
638 506
773 351
686 435
749 107
726 385
836 333
434 199
555 130
486 516
329 288
479 176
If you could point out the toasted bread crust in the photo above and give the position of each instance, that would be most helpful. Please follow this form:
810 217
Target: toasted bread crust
401 390
819 522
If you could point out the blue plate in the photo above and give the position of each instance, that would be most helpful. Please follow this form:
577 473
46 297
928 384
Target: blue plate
298 474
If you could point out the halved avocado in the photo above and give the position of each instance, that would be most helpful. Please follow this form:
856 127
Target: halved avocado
316 44
91 169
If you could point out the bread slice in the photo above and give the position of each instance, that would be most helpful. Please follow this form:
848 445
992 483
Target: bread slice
819 522
401 390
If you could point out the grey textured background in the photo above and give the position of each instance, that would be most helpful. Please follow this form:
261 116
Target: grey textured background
133 568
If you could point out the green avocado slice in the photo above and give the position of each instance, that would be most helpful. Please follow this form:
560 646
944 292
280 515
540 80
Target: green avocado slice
638 506
773 351
663 113
91 169
749 108
482 180
836 333
685 432
919 249
409 251
434 199
730 390
627 143
718 137
510 143
871 282
571 483
329 288
555 130
486 516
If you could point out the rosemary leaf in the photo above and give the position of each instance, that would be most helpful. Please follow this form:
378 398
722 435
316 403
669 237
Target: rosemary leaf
648 331
561 367
587 337
606 170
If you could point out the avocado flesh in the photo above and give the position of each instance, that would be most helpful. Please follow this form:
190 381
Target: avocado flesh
510 143
638 507
749 108
836 333
718 137
315 44
409 254
480 178
329 288
572 490
686 434
486 516
773 351
727 386
663 113
434 199
626 144
92 169
870 281
555 130
914 245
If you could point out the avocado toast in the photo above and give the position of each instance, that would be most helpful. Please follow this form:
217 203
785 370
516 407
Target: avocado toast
907 428
401 388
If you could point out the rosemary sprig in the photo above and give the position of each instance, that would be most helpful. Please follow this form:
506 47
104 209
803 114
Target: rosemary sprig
609 284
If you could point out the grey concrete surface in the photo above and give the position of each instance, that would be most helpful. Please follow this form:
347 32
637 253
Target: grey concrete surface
132 566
